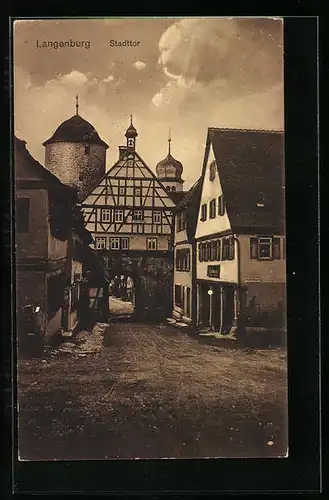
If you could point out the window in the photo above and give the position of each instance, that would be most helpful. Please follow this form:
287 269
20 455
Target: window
87 149
22 215
210 250
173 189
178 295
122 190
138 215
137 191
115 243
212 209
204 212
212 171
181 221
124 243
106 215
100 242
265 248
118 215
157 217
138 228
217 250
183 259
221 205
151 243
228 249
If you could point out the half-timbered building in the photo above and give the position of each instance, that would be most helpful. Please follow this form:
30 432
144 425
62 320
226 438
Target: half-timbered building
129 214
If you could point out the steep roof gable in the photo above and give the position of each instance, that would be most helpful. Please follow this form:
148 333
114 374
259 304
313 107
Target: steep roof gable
190 205
251 170
130 167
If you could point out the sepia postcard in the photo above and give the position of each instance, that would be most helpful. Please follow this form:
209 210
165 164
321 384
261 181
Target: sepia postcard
150 238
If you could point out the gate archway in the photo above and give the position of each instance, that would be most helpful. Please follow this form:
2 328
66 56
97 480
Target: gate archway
150 284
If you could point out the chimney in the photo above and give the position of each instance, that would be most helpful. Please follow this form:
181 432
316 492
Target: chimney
122 151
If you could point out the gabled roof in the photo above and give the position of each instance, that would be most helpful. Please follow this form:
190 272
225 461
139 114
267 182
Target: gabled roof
251 170
63 211
40 170
190 205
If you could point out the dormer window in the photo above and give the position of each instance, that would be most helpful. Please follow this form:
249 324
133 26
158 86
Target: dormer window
212 171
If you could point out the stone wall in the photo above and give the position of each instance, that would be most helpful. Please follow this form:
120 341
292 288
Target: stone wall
74 167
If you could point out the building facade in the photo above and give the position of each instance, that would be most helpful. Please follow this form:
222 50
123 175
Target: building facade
129 214
240 272
184 280
49 236
76 154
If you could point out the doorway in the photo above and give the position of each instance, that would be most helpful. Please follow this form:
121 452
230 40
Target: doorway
122 296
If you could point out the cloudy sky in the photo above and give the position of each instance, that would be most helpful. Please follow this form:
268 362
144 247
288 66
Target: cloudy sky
186 73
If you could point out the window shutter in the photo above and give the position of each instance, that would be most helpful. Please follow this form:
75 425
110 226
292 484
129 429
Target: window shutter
200 252
276 248
231 249
253 248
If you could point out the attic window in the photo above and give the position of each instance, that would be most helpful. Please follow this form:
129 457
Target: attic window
212 171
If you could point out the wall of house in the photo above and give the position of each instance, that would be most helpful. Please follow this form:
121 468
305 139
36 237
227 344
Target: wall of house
54 325
33 244
73 314
31 290
228 268
57 249
211 190
180 235
183 278
69 162
267 271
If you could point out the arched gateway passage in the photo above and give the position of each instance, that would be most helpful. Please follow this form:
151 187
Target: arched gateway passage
140 286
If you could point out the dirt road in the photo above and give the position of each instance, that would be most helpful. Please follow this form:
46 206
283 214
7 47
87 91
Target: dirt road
153 391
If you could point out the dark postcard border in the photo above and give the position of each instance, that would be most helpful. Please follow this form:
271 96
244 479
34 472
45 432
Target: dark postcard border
301 471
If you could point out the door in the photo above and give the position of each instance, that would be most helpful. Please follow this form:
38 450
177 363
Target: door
216 309
228 309
204 305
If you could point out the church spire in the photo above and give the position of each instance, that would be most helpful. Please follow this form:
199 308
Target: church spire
169 140
77 104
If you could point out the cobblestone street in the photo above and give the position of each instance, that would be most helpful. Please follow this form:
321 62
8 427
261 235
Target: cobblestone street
152 391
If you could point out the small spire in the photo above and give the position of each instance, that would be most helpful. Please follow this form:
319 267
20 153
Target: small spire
77 104
131 119
169 140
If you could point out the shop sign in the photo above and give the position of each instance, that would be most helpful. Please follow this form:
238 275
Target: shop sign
213 271
252 279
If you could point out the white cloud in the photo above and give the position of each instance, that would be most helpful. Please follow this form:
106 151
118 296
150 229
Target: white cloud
139 65
110 78
75 78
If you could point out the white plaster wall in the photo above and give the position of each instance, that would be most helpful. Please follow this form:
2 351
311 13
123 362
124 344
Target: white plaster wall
211 190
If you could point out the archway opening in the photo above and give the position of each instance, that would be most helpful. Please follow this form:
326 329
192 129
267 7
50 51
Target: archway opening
122 296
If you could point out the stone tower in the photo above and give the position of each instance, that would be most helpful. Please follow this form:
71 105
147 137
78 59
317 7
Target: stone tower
169 172
76 154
